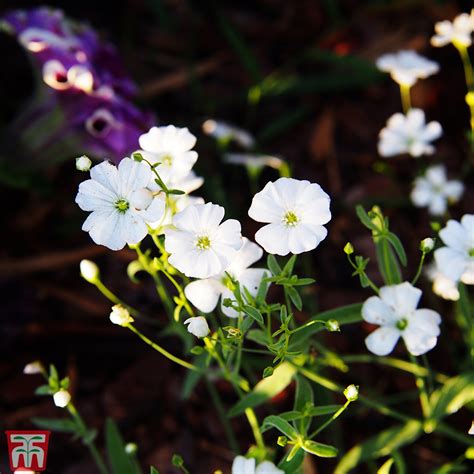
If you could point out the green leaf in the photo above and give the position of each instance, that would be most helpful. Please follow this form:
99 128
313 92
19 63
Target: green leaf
290 265
281 425
253 313
118 457
63 425
303 398
192 377
273 265
43 390
386 466
294 297
324 410
153 470
259 336
398 246
387 262
292 466
320 449
265 389
455 393
380 445
364 218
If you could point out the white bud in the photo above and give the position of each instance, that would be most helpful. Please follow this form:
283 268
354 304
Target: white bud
141 198
35 367
89 271
351 393
120 315
61 398
197 326
427 245
83 163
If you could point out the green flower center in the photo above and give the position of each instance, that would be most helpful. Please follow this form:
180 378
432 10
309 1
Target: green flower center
167 160
122 205
203 242
402 324
290 219
471 252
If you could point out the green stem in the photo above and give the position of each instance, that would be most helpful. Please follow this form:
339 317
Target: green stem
464 310
469 77
253 422
328 422
420 267
405 96
162 351
424 398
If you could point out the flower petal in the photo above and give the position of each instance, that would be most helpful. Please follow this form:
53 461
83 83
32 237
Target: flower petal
377 311
382 341
204 294
402 298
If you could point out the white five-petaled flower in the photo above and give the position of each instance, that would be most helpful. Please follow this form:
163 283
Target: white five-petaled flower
406 67
394 310
434 191
458 31
172 148
243 465
61 398
295 212
200 245
197 326
120 203
204 294
457 259
442 285
408 134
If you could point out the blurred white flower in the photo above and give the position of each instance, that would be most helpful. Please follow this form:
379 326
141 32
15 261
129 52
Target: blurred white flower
225 131
351 393
394 310
204 294
89 270
253 160
62 398
243 465
114 220
35 367
197 326
406 67
408 134
172 148
457 32
457 259
83 163
120 315
200 245
295 212
434 191
442 285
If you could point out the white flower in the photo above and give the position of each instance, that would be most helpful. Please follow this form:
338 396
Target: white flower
442 285
243 465
434 191
89 270
295 211
254 161
120 315
406 67
457 32
200 246
226 131
171 147
457 259
83 163
33 368
204 294
62 398
110 194
408 134
197 326
55 75
395 311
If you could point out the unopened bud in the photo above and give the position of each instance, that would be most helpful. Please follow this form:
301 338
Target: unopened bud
83 163
120 315
35 367
332 325
470 99
61 398
351 393
348 249
282 441
89 271
427 245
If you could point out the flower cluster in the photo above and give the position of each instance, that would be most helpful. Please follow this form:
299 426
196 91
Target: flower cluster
83 80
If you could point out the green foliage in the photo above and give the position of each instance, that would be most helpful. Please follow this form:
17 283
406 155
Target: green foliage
118 458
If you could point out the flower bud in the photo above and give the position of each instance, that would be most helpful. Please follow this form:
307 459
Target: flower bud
197 326
83 163
282 441
332 325
141 198
427 245
120 315
35 367
351 393
62 398
131 448
470 99
89 271
348 249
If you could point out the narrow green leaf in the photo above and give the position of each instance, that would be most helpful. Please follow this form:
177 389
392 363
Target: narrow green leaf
259 336
273 265
265 389
153 470
43 390
63 425
398 246
294 297
254 313
303 398
118 457
364 218
293 465
281 425
320 449
290 265
386 466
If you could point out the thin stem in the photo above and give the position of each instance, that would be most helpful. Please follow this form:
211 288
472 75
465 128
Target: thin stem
308 324
253 422
328 422
162 351
405 96
420 267
424 398
468 75
466 322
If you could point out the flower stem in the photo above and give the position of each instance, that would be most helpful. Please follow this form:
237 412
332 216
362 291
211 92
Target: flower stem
253 422
328 422
405 96
420 267
465 320
468 75
424 398
162 351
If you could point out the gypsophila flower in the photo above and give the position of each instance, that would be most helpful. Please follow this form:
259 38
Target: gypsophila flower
35 367
172 148
406 67
62 398
118 205
200 245
442 285
457 259
458 31
427 245
120 315
434 191
242 465
394 310
83 163
225 131
204 294
197 326
351 393
89 270
295 212
408 134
